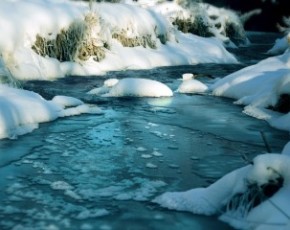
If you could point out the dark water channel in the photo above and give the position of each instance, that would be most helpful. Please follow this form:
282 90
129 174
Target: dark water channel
101 171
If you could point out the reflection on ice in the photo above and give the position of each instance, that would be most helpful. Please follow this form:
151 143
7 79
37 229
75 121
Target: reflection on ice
160 102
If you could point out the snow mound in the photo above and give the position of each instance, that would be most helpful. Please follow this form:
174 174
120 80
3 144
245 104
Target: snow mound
264 88
280 46
252 197
190 85
21 111
133 87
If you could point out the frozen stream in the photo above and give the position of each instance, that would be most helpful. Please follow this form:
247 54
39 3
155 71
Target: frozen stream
101 171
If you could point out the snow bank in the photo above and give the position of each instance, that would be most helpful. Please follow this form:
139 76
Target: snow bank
242 197
50 39
20 29
260 87
21 111
204 20
132 87
282 44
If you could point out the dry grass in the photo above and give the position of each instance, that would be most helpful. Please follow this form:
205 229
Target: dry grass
236 33
75 43
6 76
145 41
80 42
196 26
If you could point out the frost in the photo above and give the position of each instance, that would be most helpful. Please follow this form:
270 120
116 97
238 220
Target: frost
151 165
72 194
61 185
92 213
157 154
146 156
86 226
141 149
174 166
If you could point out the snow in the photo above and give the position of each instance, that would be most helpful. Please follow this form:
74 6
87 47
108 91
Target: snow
142 37
133 87
49 18
215 20
206 201
259 87
191 85
92 214
286 149
280 46
21 111
213 199
128 35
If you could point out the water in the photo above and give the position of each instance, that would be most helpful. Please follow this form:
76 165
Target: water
102 171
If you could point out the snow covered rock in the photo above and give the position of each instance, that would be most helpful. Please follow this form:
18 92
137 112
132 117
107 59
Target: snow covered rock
133 87
191 85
